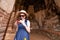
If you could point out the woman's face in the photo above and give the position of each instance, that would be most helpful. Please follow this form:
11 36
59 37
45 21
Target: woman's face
22 16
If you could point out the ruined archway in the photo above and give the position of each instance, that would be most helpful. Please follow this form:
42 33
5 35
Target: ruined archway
44 13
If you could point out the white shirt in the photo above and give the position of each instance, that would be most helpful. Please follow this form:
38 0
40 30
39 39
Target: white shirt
28 23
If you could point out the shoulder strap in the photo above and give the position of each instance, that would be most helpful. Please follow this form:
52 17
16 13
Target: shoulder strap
26 22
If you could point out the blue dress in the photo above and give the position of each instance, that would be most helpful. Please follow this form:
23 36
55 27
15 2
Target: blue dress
22 34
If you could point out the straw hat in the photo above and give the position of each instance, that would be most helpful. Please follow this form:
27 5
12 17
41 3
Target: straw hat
23 11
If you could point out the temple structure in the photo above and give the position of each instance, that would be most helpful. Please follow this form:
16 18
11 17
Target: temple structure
43 14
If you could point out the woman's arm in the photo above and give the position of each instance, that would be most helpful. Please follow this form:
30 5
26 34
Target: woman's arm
27 26
16 25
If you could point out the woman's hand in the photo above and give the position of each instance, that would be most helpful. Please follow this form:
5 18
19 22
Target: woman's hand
20 21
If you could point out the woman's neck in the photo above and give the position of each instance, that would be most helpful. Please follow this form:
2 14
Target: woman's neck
23 19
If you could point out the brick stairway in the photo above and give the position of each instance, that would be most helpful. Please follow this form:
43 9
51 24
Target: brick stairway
34 35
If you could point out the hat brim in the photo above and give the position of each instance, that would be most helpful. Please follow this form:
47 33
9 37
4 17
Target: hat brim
23 11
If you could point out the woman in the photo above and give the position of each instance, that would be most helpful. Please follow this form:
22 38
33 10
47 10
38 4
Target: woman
23 26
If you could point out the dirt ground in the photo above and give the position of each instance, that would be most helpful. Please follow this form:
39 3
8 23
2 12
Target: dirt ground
34 35
38 36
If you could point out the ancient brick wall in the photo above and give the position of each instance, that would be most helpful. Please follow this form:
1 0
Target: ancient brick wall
6 7
48 21
3 21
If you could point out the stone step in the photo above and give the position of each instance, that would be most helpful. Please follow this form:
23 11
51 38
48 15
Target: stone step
2 29
1 36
